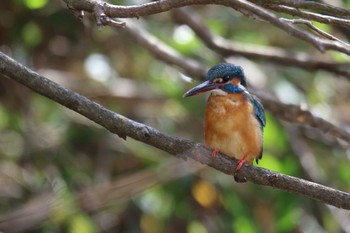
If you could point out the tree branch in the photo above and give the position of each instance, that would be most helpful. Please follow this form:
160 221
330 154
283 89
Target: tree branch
313 172
287 112
275 55
309 15
114 11
316 29
162 51
320 44
310 5
181 148
294 113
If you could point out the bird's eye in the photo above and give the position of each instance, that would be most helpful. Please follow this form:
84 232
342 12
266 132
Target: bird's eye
221 80
225 78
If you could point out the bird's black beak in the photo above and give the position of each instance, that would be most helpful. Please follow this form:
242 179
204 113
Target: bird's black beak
201 88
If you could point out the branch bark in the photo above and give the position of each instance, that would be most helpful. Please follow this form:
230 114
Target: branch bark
310 5
179 147
271 54
309 15
247 8
286 112
164 52
310 168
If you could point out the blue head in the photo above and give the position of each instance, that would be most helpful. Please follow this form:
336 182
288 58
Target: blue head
225 77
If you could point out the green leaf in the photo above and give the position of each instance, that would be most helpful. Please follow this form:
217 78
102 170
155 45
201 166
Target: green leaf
34 4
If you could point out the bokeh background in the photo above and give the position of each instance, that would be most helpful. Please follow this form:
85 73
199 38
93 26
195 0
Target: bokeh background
60 172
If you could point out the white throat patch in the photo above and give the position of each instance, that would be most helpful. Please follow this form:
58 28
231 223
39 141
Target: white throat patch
218 92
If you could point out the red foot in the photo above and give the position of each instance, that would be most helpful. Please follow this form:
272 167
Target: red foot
214 153
240 163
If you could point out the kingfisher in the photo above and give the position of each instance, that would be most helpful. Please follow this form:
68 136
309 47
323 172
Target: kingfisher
234 119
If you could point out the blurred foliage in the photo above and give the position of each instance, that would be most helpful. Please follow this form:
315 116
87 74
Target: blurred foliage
47 149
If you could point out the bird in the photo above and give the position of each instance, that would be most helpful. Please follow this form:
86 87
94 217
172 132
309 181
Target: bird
234 118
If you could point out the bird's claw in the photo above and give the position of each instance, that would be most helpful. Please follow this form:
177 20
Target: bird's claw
237 176
214 153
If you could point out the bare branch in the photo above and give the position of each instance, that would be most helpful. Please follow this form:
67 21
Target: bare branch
114 11
181 148
276 55
316 29
102 19
290 113
309 15
312 171
294 113
319 43
162 51
310 5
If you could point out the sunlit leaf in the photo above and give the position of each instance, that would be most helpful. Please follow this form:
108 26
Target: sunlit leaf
243 225
81 223
34 4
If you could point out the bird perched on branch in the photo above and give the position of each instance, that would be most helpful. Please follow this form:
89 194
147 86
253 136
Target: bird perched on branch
234 119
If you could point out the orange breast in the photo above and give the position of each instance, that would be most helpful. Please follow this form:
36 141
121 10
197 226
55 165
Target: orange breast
231 127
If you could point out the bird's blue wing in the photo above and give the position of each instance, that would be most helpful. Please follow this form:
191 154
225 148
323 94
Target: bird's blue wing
260 116
259 111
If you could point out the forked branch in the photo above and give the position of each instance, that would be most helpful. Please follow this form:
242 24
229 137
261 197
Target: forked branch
247 8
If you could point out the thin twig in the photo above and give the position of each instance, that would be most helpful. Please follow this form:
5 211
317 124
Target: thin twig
290 113
310 5
316 29
319 43
102 19
294 113
114 11
312 171
162 51
271 54
326 19
182 148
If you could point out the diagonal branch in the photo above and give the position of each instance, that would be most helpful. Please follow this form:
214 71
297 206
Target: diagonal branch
276 55
320 44
291 113
162 51
181 148
294 113
249 8
310 5
316 29
309 15
312 171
